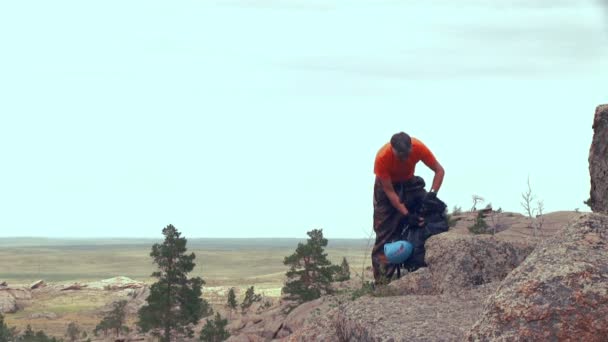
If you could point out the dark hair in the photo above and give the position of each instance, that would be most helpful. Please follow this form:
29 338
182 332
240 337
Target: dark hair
401 142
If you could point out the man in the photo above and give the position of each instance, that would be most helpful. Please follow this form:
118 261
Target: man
397 192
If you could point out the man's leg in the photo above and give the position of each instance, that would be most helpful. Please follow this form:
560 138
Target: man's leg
386 224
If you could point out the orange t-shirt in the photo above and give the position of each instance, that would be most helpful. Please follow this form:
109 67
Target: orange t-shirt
388 166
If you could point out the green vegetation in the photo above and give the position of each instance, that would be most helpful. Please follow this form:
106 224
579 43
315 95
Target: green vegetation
114 320
232 304
250 298
343 271
30 336
480 226
73 332
366 288
310 272
215 329
175 302
6 333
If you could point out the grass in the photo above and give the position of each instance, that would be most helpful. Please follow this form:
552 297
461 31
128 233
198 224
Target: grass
234 263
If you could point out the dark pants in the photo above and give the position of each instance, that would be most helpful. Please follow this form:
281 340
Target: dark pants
388 222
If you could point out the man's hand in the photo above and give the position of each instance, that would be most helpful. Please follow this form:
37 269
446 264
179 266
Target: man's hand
431 196
414 219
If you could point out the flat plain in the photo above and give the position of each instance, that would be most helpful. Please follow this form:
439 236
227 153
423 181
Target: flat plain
220 262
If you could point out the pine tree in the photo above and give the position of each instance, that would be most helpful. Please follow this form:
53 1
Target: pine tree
480 226
6 333
30 336
175 301
215 330
73 332
250 298
103 326
232 304
310 273
115 319
343 271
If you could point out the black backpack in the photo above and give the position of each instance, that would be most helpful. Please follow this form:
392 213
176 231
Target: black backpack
433 210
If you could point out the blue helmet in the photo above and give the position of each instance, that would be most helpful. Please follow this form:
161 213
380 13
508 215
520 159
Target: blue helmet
397 252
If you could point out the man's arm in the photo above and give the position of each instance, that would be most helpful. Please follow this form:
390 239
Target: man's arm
387 186
438 178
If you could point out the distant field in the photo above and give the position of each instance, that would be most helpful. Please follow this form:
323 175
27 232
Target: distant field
220 262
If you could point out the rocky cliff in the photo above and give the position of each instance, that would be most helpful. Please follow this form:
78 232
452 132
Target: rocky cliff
598 162
560 293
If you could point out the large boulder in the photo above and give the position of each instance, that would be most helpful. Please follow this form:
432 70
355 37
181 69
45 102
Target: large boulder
11 300
457 262
443 317
8 303
559 293
598 162
116 284
298 316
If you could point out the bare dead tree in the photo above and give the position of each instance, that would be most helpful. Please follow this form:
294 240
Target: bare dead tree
526 203
367 251
476 199
540 218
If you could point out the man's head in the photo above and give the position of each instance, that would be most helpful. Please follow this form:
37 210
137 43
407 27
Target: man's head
402 145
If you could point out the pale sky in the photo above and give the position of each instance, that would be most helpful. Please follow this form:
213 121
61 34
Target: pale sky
262 118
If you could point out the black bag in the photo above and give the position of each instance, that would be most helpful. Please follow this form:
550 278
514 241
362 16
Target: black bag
432 209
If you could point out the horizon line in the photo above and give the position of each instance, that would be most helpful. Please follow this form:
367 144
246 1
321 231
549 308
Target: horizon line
159 238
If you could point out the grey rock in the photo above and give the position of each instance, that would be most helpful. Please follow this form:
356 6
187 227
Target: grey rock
37 284
238 338
463 261
598 162
457 261
559 293
8 303
443 317
236 324
47 315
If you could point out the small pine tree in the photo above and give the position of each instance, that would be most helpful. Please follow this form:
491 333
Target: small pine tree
250 298
6 333
114 320
232 304
310 272
480 226
175 302
30 336
343 271
103 326
215 330
73 332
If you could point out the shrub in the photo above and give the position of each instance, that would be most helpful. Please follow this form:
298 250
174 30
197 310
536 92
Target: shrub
342 271
365 289
114 320
250 298
73 332
6 333
480 226
456 210
215 330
